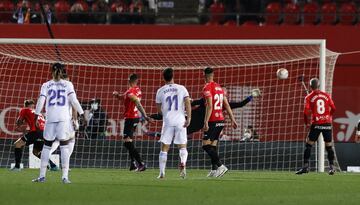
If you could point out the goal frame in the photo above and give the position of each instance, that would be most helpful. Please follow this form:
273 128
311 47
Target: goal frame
319 42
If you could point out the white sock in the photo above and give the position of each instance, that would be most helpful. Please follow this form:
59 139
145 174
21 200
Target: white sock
162 162
183 153
71 146
54 146
45 155
65 160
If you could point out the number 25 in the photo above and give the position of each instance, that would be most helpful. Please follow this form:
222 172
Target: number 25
58 96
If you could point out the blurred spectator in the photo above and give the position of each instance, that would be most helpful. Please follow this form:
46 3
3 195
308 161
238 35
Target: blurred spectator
120 9
99 12
6 10
136 10
62 8
96 120
48 12
23 13
78 12
216 13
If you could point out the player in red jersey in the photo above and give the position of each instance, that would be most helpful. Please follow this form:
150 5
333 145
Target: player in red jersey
214 121
320 107
33 136
132 105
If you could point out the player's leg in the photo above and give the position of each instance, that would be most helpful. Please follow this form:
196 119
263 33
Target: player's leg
327 135
167 134
129 128
18 151
222 169
181 141
38 140
310 141
49 137
63 134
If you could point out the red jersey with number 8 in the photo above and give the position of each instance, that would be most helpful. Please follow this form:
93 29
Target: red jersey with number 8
131 111
321 107
216 93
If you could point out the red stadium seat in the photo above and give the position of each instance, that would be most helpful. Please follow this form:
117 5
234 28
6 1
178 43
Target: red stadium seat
6 9
291 14
311 11
62 8
328 15
273 13
347 14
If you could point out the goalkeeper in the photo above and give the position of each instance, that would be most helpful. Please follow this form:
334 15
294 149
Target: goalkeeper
198 112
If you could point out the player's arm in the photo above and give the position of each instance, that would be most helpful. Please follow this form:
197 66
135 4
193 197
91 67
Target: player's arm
117 95
188 111
208 111
157 116
139 106
332 106
199 102
158 107
40 104
19 122
231 114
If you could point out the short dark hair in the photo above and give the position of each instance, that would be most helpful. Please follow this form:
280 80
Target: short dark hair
28 102
133 77
314 83
168 74
208 70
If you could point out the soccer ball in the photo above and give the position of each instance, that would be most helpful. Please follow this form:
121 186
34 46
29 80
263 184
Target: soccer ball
282 73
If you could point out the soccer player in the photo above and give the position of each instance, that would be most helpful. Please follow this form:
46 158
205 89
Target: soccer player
215 98
321 107
58 94
199 108
172 100
74 125
34 136
132 106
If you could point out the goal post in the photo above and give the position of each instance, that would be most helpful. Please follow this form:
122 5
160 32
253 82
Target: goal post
97 67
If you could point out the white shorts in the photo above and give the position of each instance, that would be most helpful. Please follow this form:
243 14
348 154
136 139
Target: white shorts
71 130
178 133
57 130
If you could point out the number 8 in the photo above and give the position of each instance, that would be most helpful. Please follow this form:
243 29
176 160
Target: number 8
320 106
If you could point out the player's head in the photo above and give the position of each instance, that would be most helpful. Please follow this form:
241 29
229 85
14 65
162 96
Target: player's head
29 103
168 74
94 104
209 74
314 83
57 70
133 79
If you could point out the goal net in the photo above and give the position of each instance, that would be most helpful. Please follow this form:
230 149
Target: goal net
271 131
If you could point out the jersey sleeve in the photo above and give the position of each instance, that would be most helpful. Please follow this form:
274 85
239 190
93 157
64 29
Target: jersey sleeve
158 97
73 99
207 92
41 101
22 114
331 105
185 92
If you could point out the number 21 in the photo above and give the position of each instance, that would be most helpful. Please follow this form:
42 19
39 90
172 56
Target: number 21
218 101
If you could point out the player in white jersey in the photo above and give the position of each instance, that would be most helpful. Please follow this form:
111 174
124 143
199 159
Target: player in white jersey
74 125
59 95
172 100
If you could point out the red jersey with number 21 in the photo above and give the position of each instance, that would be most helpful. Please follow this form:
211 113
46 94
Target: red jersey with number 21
131 111
216 93
321 107
28 115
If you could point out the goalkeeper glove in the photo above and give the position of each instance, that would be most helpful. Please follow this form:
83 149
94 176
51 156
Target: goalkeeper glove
255 92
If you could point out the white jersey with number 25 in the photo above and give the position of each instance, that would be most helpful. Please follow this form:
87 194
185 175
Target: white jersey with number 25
58 96
171 97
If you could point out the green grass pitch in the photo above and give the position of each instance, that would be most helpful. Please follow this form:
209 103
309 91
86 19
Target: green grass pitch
111 186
